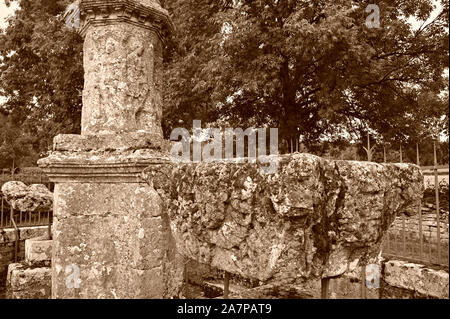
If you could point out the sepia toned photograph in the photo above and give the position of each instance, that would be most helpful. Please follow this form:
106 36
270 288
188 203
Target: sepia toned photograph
224 155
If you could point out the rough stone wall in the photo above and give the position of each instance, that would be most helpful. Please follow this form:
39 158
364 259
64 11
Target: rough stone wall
315 218
7 238
413 281
31 278
397 280
429 227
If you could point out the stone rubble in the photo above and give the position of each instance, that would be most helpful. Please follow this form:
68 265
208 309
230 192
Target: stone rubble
414 277
31 278
314 218
28 283
33 198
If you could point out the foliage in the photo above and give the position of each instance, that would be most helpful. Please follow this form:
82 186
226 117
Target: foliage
430 194
311 68
41 72
15 148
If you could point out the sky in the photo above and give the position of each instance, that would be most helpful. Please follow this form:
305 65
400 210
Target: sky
5 11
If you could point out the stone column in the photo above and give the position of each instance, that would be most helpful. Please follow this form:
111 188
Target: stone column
111 235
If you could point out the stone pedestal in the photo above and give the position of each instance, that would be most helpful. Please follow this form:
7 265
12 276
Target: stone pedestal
111 236
109 227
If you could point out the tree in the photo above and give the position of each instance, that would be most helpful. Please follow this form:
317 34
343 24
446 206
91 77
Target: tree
14 146
41 72
311 68
307 67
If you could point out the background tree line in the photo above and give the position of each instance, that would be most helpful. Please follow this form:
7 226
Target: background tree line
311 68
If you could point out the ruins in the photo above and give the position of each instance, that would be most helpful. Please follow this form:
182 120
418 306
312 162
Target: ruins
313 219
108 222
125 215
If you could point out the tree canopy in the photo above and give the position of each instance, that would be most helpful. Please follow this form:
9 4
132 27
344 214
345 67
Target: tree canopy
41 72
311 68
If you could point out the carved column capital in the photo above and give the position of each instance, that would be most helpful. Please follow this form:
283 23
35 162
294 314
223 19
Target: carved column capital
147 14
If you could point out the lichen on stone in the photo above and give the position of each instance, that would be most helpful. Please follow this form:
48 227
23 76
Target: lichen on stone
313 219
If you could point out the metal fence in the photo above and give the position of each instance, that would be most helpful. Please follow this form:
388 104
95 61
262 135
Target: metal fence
14 219
424 237
10 218
416 240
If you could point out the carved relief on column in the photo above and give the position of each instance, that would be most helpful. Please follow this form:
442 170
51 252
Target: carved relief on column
120 93
123 66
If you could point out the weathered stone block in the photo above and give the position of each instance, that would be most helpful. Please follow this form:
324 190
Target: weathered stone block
37 250
7 247
28 283
115 235
417 278
105 142
314 218
33 198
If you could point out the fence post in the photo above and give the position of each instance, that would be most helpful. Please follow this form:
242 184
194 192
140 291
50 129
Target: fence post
226 285
1 214
420 232
325 285
404 235
369 150
430 248
49 230
417 153
420 212
16 239
401 154
363 282
388 241
438 210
